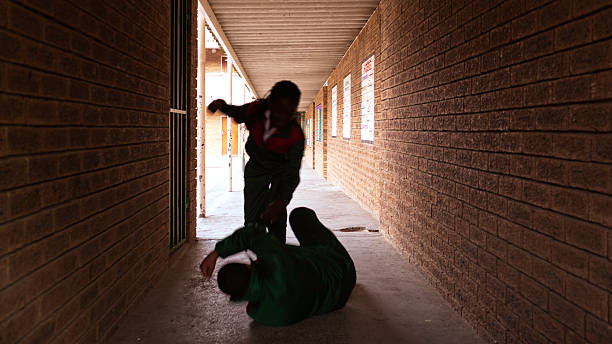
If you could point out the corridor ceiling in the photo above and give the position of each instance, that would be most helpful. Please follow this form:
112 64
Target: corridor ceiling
301 41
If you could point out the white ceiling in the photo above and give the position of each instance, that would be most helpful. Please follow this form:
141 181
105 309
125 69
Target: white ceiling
301 41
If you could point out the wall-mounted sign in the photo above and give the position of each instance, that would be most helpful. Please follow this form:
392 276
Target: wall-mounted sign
346 108
319 123
367 100
334 104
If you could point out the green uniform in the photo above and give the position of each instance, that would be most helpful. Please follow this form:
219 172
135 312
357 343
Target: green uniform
289 283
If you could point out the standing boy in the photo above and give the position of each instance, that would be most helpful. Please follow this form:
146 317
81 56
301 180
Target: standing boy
275 147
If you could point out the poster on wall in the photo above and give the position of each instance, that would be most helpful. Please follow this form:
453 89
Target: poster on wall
334 104
346 108
319 122
308 132
367 100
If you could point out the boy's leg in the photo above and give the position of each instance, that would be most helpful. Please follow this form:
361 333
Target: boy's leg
279 228
309 230
255 197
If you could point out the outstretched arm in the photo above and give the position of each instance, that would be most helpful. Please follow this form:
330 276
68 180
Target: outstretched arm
238 113
240 240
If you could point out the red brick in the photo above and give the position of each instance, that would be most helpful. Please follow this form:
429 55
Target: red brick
520 213
572 89
587 296
519 305
552 118
520 259
573 33
587 6
570 202
567 313
590 176
601 86
508 274
591 57
537 193
510 232
496 246
536 243
597 331
592 117
534 292
570 259
587 236
548 223
510 187
538 45
549 327
553 66
602 148
600 209
602 25
575 147
549 275
535 143
550 170
525 25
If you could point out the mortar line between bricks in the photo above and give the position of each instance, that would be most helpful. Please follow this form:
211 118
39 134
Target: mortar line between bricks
500 131
479 74
71 101
81 56
55 206
519 200
586 279
82 289
77 150
84 266
549 290
521 154
76 29
87 81
116 29
127 307
85 172
512 41
83 126
89 103
72 249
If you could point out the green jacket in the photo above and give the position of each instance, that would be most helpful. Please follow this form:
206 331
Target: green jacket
290 283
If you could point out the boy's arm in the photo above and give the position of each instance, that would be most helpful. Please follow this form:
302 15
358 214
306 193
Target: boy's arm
240 240
238 113
290 176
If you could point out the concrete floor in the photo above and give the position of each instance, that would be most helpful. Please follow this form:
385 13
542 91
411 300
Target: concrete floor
391 303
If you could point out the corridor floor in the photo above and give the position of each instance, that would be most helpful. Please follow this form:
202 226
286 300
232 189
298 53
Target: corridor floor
391 303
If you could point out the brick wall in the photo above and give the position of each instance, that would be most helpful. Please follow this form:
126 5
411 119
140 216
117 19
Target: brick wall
83 164
309 148
496 137
354 165
320 147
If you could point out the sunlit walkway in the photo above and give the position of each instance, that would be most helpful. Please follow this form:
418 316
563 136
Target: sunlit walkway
391 303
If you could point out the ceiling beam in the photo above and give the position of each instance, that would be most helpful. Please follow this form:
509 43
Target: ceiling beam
216 30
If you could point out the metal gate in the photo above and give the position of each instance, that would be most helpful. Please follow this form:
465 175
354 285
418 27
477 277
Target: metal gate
179 97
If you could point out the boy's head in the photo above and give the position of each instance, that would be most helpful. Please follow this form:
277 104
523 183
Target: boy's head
284 99
233 279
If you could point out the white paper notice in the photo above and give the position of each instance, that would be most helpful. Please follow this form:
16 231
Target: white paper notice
346 108
334 105
367 100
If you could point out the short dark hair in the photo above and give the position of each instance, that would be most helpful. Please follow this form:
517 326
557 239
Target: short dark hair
233 279
287 90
